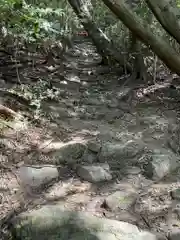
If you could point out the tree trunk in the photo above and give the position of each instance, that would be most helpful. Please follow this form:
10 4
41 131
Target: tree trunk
103 44
162 49
139 68
167 14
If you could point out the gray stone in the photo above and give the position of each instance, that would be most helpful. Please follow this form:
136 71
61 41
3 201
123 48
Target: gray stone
53 222
94 173
2 83
161 163
94 146
133 171
33 177
6 144
70 152
125 216
120 152
173 137
174 234
121 199
176 194
124 93
113 103
176 209
89 157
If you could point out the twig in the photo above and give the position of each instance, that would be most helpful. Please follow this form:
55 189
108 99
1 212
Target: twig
7 112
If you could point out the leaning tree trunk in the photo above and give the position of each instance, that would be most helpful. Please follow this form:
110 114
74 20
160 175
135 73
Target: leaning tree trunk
167 14
103 44
162 49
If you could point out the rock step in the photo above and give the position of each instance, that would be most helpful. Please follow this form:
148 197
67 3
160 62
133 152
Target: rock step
53 222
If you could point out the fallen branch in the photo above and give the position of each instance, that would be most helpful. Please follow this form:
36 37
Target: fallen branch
8 113
15 96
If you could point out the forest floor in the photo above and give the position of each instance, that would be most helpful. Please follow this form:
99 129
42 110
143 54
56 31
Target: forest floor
124 134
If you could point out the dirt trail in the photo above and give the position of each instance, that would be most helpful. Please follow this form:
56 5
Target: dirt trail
97 106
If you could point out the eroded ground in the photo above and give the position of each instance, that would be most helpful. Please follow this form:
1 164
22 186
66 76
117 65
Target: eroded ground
128 137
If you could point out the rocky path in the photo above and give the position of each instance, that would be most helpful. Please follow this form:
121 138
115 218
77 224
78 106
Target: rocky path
108 152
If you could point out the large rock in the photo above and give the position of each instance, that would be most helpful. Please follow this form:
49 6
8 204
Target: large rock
89 157
94 146
34 177
69 152
160 163
173 137
175 194
174 235
94 173
120 152
121 200
52 222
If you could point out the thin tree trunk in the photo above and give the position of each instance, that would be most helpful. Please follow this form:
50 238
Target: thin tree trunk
167 14
139 68
162 49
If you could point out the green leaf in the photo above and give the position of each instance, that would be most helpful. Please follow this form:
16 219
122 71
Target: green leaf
18 5
36 27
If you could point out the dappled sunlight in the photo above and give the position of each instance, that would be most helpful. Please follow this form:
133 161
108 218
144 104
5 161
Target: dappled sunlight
152 89
74 139
69 189
49 145
91 142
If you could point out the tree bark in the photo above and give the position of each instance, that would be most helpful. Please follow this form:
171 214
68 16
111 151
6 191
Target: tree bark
103 44
167 13
7 113
139 68
162 49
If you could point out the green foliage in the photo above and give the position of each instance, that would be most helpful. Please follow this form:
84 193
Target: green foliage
177 2
35 21
27 21
36 94
39 20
